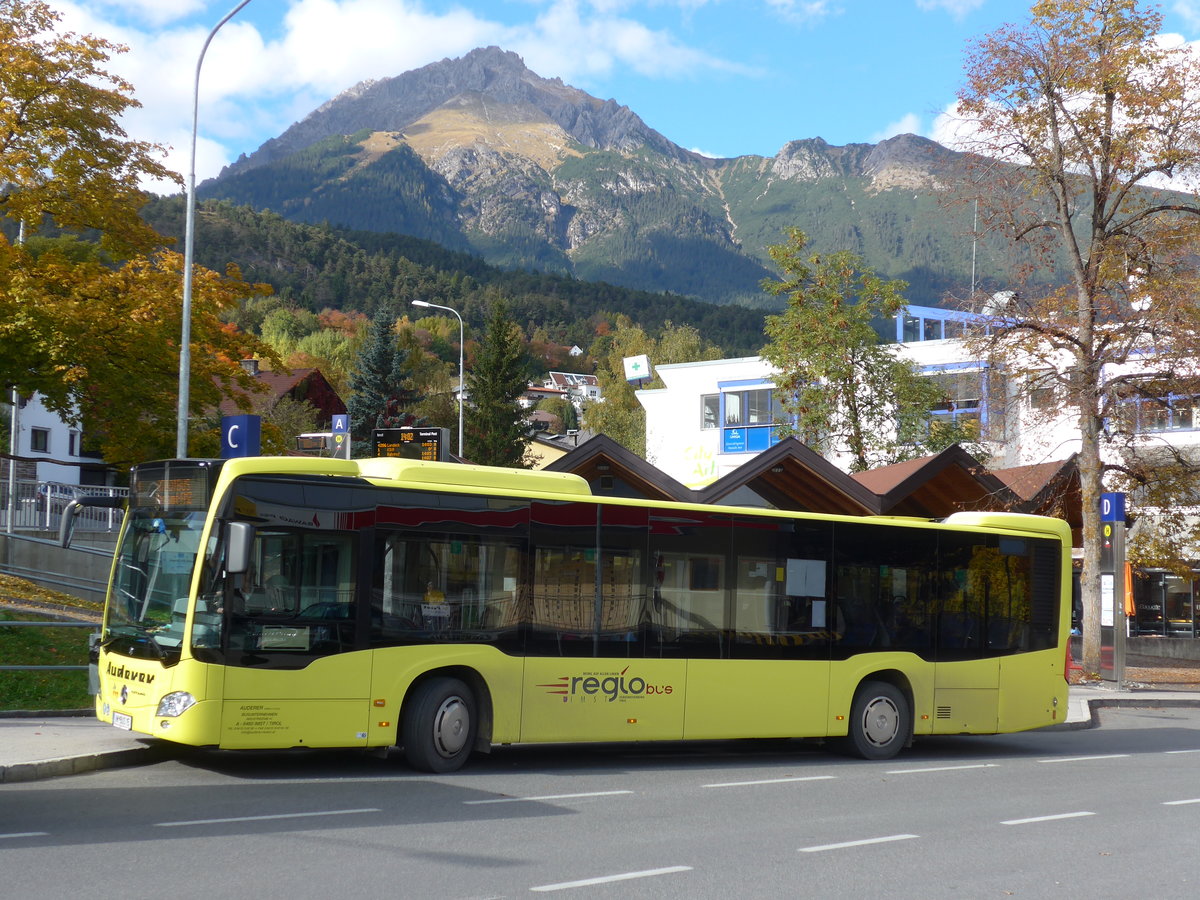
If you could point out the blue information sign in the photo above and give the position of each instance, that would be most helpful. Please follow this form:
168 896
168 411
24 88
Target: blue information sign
240 436
1112 507
341 436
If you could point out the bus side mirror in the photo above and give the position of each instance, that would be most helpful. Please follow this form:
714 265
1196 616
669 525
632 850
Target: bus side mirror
239 541
66 524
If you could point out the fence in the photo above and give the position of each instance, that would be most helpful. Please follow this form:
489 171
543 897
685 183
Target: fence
39 505
93 641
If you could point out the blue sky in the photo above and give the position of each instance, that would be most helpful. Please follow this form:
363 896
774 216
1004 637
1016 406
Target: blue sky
723 77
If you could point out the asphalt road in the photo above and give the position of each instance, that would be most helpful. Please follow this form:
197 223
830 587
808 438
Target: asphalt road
1108 812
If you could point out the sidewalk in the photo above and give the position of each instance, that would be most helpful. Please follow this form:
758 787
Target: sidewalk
53 744
1086 700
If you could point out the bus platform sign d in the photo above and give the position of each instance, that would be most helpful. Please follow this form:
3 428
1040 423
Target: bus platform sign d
1113 625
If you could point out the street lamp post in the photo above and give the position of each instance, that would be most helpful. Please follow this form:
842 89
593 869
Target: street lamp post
461 384
189 241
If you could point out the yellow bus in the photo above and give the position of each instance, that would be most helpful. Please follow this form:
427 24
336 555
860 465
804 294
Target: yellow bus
444 609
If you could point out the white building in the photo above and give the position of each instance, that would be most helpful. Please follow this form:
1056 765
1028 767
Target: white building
49 450
581 389
711 417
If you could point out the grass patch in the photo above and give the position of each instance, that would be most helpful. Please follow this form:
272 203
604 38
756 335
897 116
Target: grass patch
42 647
27 646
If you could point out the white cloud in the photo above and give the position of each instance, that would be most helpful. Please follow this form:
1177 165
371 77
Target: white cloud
153 12
1188 10
255 83
574 46
958 9
803 11
909 123
330 45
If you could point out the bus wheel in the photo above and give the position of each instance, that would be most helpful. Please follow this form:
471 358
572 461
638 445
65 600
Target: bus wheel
438 726
880 721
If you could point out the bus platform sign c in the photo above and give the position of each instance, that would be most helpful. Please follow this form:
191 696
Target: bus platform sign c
241 436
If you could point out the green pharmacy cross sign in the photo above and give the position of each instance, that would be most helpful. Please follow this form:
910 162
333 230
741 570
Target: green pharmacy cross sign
637 369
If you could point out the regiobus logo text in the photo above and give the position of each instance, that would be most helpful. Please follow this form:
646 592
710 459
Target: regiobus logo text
607 686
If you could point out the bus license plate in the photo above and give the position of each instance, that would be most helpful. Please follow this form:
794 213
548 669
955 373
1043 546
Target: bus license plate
122 721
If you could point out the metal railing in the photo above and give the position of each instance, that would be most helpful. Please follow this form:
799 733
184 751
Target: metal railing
96 634
39 505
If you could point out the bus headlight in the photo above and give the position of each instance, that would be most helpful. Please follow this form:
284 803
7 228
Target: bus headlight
175 704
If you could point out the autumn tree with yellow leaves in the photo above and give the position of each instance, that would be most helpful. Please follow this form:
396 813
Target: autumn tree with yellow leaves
1078 117
97 335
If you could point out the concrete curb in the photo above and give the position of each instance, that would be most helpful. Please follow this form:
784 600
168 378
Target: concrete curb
77 765
158 750
1095 704
46 713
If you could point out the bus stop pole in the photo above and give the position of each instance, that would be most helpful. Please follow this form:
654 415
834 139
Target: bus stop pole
1112 588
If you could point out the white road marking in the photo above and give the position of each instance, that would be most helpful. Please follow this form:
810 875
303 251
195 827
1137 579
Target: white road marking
21 834
1180 802
1071 815
771 781
942 769
543 797
608 879
303 815
1181 751
1085 758
862 843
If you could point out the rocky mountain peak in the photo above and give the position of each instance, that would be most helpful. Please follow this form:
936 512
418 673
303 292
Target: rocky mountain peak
501 76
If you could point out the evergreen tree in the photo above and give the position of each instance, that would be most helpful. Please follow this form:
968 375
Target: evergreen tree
495 430
371 381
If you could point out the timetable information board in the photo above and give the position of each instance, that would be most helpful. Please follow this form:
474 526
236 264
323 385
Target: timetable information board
430 444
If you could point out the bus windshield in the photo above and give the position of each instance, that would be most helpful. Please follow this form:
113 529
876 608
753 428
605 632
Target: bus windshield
149 599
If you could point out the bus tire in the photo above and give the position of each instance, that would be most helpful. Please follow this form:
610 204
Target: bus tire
438 725
880 721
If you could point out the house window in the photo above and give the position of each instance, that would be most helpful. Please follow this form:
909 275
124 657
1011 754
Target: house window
1043 391
710 411
39 440
753 407
750 419
73 443
1174 412
961 397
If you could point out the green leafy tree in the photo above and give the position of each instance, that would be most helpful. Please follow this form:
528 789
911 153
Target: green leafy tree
429 383
619 415
495 428
285 328
1074 114
844 391
283 420
329 350
563 410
